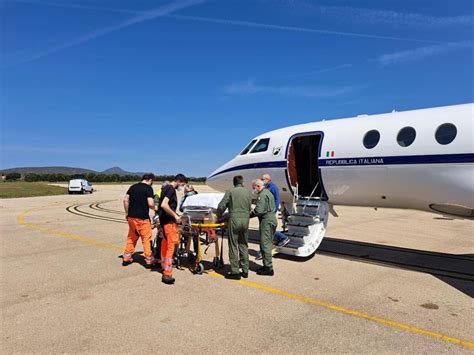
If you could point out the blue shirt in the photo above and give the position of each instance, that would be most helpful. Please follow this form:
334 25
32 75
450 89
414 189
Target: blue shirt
276 193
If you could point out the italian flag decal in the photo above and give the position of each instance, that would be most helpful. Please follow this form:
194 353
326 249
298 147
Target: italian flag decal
330 154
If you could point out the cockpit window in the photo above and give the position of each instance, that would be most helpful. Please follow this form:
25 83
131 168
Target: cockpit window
248 147
261 146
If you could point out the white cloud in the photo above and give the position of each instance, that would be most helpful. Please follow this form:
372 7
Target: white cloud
138 18
420 53
250 88
393 18
373 16
297 29
307 8
345 13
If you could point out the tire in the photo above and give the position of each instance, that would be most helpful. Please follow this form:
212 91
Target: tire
70 192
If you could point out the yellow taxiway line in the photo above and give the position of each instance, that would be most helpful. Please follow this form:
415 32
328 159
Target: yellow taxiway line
272 290
79 238
380 320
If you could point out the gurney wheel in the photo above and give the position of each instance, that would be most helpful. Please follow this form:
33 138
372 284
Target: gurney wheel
199 268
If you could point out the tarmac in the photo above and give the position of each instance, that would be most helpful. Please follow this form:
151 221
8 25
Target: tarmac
385 281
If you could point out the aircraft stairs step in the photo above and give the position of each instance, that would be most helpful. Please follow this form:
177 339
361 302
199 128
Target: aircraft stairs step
306 226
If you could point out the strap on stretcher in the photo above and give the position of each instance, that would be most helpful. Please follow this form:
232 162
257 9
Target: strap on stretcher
208 225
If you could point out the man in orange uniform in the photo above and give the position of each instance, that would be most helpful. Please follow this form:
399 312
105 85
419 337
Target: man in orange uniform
137 202
169 220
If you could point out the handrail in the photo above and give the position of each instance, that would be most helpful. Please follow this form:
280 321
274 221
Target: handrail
295 197
311 195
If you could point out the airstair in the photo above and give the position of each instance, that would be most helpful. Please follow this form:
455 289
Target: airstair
306 225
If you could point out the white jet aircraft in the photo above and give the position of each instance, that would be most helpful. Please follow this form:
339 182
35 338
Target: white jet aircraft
420 159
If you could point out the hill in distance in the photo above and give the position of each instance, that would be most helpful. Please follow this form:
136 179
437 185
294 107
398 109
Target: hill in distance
65 170
119 171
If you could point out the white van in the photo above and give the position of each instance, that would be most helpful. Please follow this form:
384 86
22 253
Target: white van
80 186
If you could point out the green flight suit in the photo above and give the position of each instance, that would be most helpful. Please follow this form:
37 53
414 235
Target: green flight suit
238 201
265 211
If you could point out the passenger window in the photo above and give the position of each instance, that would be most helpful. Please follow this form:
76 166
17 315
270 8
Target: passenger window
248 147
261 146
446 133
406 136
371 139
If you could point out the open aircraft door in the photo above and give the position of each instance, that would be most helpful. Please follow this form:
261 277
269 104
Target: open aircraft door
310 211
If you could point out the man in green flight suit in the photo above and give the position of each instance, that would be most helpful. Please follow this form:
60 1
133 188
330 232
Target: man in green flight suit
265 211
238 201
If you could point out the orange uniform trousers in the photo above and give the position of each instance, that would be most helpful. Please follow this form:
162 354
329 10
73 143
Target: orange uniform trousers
170 240
138 228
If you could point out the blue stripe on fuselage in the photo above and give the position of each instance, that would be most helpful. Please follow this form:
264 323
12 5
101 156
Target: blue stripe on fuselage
260 165
399 160
367 161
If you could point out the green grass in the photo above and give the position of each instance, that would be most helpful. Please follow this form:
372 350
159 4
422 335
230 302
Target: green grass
29 189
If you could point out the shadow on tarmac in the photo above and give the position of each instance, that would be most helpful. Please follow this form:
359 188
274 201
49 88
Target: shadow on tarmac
138 258
455 270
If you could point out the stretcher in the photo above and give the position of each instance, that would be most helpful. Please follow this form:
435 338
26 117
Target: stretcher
201 226
201 234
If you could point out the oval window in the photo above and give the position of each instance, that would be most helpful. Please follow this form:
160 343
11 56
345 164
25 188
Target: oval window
371 139
446 133
406 136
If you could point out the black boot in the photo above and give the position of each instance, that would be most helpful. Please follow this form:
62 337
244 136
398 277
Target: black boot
232 276
265 271
245 275
169 280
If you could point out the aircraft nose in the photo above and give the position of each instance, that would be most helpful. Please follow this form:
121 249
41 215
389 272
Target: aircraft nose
213 179
217 180
210 181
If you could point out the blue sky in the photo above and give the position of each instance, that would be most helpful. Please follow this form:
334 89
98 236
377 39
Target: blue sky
182 86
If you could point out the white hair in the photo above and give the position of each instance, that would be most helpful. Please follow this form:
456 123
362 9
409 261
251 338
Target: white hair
258 182
266 176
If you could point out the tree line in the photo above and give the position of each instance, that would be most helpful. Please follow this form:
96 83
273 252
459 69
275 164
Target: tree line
92 177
